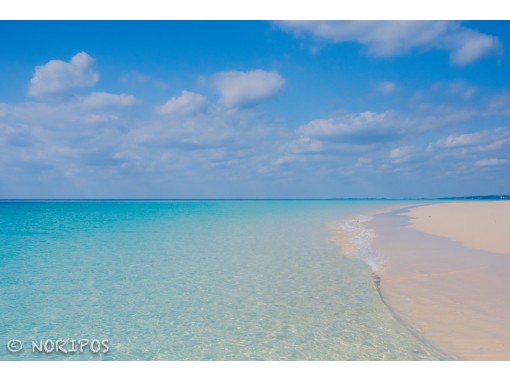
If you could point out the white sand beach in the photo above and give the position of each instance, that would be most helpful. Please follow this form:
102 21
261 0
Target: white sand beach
447 275
482 225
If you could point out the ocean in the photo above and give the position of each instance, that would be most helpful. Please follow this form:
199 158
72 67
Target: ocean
192 280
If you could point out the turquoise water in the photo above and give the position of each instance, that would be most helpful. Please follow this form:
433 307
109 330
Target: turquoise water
193 280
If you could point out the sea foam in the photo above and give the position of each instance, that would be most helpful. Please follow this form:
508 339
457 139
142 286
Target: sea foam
356 239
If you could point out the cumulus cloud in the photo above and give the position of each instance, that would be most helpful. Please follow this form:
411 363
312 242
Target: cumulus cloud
455 154
346 134
247 88
362 128
486 148
94 139
105 100
386 87
469 153
390 38
187 103
384 141
57 76
54 137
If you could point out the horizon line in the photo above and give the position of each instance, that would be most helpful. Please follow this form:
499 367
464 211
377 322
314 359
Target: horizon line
502 196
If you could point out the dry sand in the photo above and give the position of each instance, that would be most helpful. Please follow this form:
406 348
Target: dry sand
482 225
456 297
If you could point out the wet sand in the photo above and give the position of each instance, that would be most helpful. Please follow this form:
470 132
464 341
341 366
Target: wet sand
455 296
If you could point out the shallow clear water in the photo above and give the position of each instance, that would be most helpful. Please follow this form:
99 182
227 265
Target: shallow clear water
201 280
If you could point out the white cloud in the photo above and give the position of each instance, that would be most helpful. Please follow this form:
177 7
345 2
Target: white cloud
362 128
390 38
492 162
61 135
386 87
200 130
454 141
185 104
380 138
455 154
344 135
402 154
470 45
383 38
96 137
238 88
474 139
104 100
478 148
57 76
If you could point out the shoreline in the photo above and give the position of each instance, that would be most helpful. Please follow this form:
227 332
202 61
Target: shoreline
453 295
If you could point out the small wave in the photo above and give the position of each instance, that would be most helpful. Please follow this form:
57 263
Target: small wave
356 240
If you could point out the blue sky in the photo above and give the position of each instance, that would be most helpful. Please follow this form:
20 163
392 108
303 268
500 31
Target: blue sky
254 109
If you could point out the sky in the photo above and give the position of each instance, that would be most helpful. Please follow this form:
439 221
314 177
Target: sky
254 109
